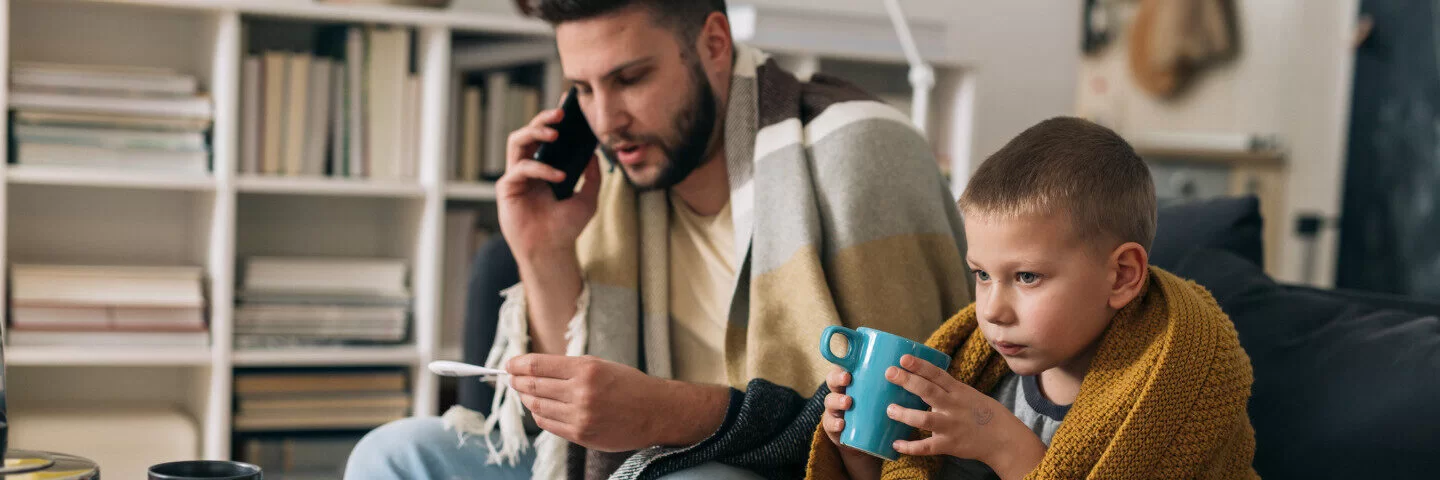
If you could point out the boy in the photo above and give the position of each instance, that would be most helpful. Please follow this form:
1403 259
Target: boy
1111 368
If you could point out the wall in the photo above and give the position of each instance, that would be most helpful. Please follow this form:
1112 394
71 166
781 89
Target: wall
1292 78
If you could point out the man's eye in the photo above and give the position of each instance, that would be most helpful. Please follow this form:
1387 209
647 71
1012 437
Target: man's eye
981 275
627 81
1027 278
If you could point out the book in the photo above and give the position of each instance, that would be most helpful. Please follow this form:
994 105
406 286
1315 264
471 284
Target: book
497 86
318 421
103 120
340 89
18 337
387 66
127 160
296 100
111 138
313 382
356 108
471 133
183 107
21 65
101 79
410 128
251 100
133 286
318 117
99 318
326 275
275 67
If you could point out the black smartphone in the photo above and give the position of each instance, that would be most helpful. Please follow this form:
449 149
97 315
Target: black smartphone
572 150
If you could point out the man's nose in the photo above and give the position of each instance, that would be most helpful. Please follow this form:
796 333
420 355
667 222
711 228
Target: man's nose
607 115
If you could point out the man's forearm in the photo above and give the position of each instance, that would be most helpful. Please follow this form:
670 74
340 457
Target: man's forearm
695 412
552 285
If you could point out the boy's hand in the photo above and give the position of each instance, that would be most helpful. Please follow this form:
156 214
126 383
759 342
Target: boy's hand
963 422
836 404
859 465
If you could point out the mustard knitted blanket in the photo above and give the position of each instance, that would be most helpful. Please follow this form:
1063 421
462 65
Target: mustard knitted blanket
1165 396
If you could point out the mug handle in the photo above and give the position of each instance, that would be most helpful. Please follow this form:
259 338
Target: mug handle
848 361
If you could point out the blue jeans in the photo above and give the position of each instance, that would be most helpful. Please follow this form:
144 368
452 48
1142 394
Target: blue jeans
416 448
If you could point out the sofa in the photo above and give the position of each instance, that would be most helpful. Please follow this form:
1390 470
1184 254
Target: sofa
1347 384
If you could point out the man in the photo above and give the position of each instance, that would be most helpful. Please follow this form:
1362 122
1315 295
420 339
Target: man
748 212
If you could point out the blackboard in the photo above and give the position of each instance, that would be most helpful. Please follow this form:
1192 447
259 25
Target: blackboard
1390 224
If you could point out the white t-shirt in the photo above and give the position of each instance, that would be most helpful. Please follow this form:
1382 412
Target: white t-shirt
702 279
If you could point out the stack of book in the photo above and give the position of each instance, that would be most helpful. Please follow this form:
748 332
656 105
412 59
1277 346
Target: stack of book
306 301
115 117
489 110
351 109
300 457
100 306
318 400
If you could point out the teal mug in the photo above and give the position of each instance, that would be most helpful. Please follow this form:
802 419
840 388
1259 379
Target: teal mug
871 352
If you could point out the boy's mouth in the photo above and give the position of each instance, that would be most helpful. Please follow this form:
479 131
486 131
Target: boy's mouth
1008 349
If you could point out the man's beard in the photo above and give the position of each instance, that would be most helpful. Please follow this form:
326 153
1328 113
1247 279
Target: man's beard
696 125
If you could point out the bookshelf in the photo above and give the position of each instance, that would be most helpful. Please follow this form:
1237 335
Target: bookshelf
218 219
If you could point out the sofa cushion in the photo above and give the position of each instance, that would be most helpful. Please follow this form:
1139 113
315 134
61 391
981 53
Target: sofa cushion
1342 389
1232 224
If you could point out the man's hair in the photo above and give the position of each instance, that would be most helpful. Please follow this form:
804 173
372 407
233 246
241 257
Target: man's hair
1072 166
685 17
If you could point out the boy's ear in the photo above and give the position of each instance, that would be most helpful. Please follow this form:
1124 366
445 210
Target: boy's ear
1129 271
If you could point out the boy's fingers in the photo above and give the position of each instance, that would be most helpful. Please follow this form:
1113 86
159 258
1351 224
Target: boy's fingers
834 424
837 402
928 371
929 392
916 418
917 448
838 379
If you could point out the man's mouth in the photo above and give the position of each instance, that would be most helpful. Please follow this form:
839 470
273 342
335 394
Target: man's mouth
629 154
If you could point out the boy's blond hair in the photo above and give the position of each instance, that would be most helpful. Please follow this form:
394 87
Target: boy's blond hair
1070 165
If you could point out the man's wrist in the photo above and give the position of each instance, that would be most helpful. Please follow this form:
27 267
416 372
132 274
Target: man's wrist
695 411
543 261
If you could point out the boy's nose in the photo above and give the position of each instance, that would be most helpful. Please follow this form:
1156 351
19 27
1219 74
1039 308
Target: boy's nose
994 309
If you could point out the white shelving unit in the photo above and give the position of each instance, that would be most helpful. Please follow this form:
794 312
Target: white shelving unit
60 215
50 215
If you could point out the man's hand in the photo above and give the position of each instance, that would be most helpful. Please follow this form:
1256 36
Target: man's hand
611 407
541 231
533 221
963 422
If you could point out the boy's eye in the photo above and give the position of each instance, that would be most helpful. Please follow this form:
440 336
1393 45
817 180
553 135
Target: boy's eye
1027 278
981 275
